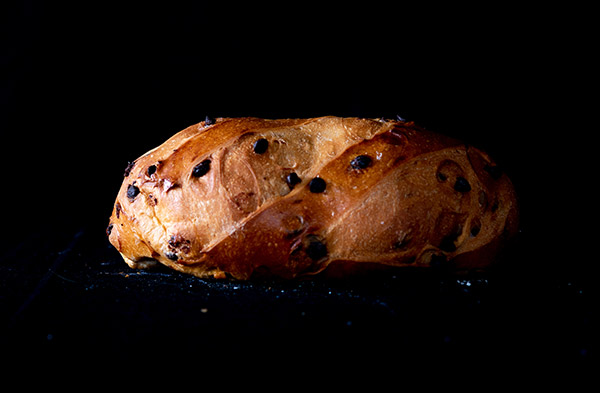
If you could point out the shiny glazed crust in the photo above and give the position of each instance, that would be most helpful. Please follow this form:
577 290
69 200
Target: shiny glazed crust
238 197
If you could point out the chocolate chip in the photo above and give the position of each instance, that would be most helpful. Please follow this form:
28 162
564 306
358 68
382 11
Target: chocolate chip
151 170
292 179
130 166
132 192
447 243
475 230
172 256
201 169
494 171
260 146
109 230
316 250
462 185
361 162
317 185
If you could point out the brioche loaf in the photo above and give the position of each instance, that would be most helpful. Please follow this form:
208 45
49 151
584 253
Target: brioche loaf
237 197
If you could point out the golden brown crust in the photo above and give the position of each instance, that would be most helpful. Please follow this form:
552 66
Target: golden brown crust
237 197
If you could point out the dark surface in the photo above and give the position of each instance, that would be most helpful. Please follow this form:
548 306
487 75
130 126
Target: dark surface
89 87
72 299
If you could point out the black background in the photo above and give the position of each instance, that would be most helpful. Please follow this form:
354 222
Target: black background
88 86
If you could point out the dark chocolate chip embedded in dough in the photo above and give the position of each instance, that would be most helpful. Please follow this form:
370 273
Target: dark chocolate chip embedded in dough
132 192
292 179
462 185
316 250
448 242
151 170
260 146
361 162
201 169
317 185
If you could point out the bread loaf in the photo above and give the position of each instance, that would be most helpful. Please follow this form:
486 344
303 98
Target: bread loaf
238 197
